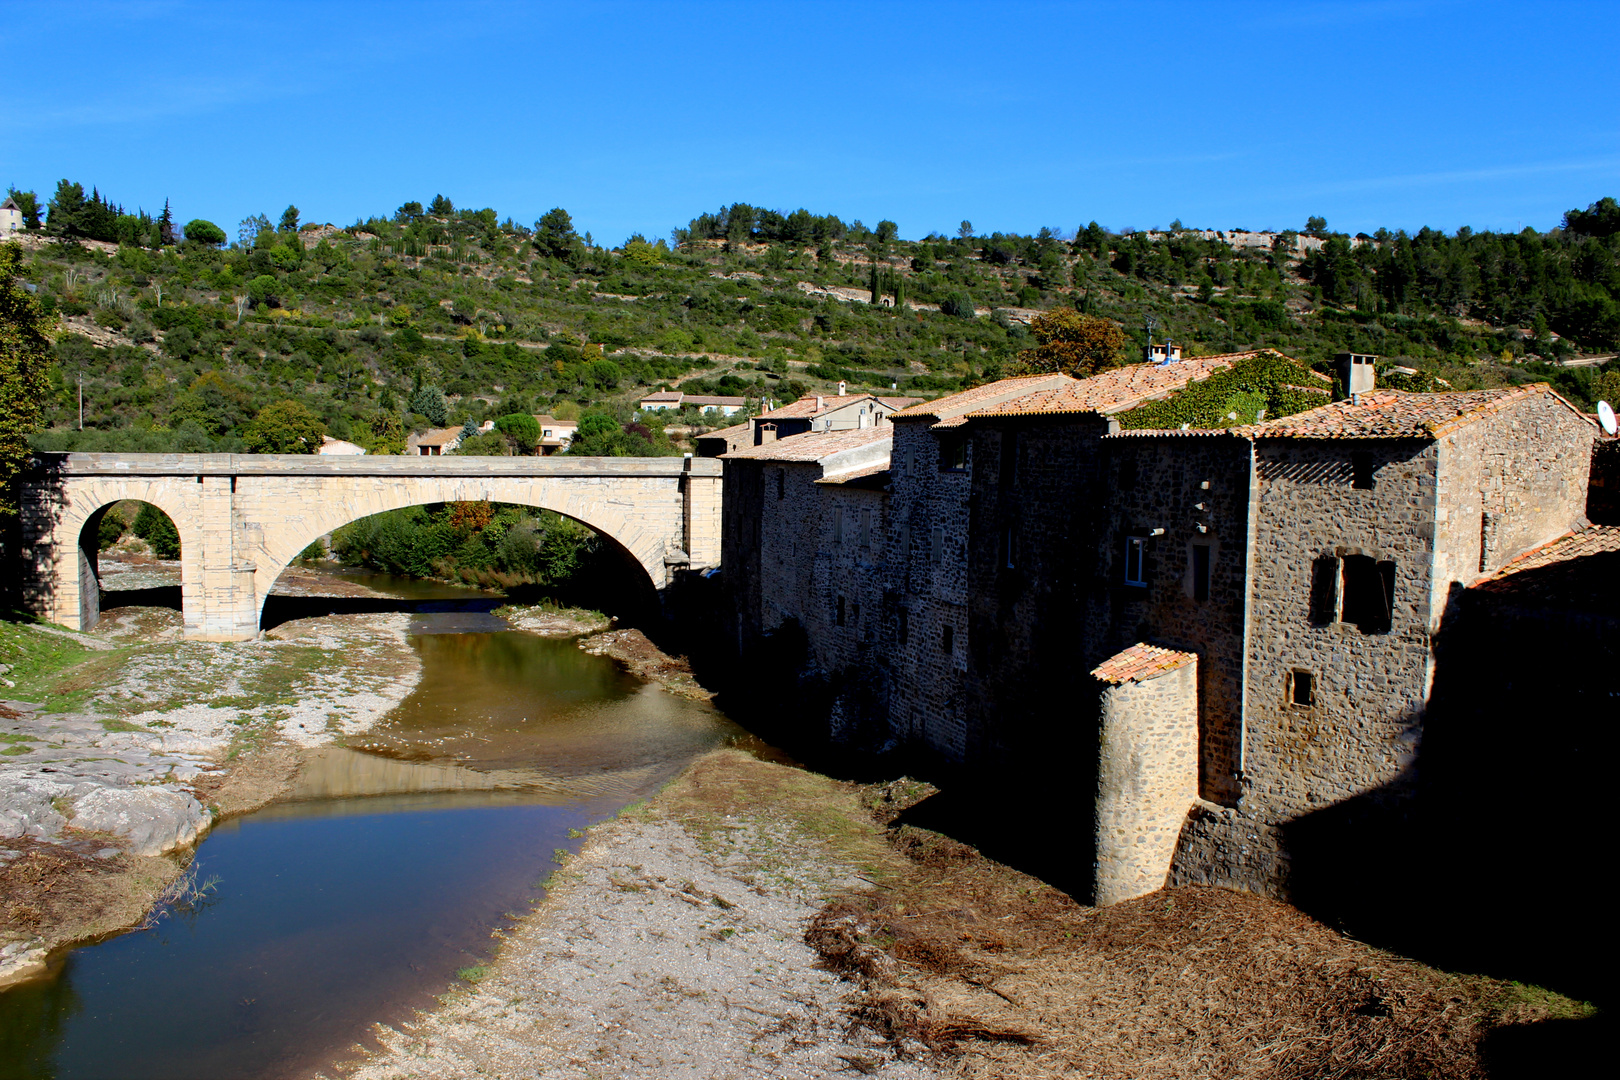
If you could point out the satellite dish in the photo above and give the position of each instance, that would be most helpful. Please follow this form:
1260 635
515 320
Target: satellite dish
1606 417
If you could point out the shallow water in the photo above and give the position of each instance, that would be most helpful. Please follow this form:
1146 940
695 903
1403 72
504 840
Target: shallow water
383 874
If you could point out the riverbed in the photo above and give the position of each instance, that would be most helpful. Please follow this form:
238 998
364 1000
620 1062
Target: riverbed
381 875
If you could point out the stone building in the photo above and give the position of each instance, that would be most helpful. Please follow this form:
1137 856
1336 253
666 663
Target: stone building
1300 568
813 541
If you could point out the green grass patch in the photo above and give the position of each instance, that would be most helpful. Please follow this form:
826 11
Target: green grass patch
7 736
40 662
472 974
14 751
114 724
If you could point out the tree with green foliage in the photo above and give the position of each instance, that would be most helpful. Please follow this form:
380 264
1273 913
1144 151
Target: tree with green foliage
428 402
287 427
441 207
201 231
112 528
289 220
522 432
1072 343
25 356
385 434
157 529
554 235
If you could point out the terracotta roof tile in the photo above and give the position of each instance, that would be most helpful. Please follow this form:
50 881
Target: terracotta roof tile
1141 662
1397 414
735 431
1110 392
812 445
1579 569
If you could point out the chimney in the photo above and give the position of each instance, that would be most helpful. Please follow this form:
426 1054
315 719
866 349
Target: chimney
840 387
1357 372
818 403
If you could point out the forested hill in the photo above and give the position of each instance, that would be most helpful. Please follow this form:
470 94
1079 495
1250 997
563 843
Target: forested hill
437 315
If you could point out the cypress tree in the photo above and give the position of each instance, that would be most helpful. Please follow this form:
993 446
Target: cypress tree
877 283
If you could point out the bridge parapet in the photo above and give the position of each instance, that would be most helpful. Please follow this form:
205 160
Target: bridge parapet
243 517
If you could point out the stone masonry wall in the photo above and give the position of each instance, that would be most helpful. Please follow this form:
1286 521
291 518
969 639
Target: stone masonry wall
1361 729
1034 505
1507 483
1196 488
927 635
1147 779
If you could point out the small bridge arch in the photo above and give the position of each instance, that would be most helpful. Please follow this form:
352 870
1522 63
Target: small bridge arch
243 518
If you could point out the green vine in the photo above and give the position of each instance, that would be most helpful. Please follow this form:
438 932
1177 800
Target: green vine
1264 387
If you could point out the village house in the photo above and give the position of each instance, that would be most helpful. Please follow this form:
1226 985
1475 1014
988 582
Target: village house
434 441
813 412
11 218
675 400
1256 604
555 435
339 447
816 541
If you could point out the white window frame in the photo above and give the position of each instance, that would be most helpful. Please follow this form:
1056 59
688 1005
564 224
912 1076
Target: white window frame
1136 549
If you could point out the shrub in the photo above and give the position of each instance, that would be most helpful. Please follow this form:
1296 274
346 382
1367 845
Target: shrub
157 529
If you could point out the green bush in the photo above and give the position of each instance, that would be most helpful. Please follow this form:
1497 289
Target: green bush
112 528
157 529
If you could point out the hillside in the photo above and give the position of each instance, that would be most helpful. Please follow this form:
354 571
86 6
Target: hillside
179 345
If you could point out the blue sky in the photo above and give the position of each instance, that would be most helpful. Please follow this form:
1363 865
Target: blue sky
637 116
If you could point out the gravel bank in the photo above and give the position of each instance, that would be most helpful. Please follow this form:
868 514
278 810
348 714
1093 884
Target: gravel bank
672 946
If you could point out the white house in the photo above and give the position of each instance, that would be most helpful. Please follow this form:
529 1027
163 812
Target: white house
11 217
674 399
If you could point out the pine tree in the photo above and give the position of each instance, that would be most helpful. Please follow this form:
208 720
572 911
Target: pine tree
166 226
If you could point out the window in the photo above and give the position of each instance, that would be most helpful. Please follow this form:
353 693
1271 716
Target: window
911 454
947 639
1136 560
936 553
1200 572
953 453
840 607
1325 591
1009 458
1009 548
866 528
781 483
1301 689
1361 471
1367 592
905 627
838 528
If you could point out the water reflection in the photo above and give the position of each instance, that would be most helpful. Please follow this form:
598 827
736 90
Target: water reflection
358 898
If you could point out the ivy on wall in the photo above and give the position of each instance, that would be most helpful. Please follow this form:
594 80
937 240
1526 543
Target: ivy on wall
1263 387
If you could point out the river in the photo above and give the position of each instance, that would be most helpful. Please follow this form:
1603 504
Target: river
388 870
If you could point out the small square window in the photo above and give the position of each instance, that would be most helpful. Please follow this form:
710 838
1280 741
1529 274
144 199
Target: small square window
1301 689
947 639
953 453
1136 560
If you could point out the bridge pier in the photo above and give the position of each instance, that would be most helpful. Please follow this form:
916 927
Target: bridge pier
243 518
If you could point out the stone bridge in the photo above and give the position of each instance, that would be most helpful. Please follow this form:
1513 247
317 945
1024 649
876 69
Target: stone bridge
243 517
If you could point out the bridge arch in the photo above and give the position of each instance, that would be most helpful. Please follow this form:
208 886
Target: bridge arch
243 518
288 545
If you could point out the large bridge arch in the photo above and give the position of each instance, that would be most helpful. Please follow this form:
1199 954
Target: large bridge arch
243 518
